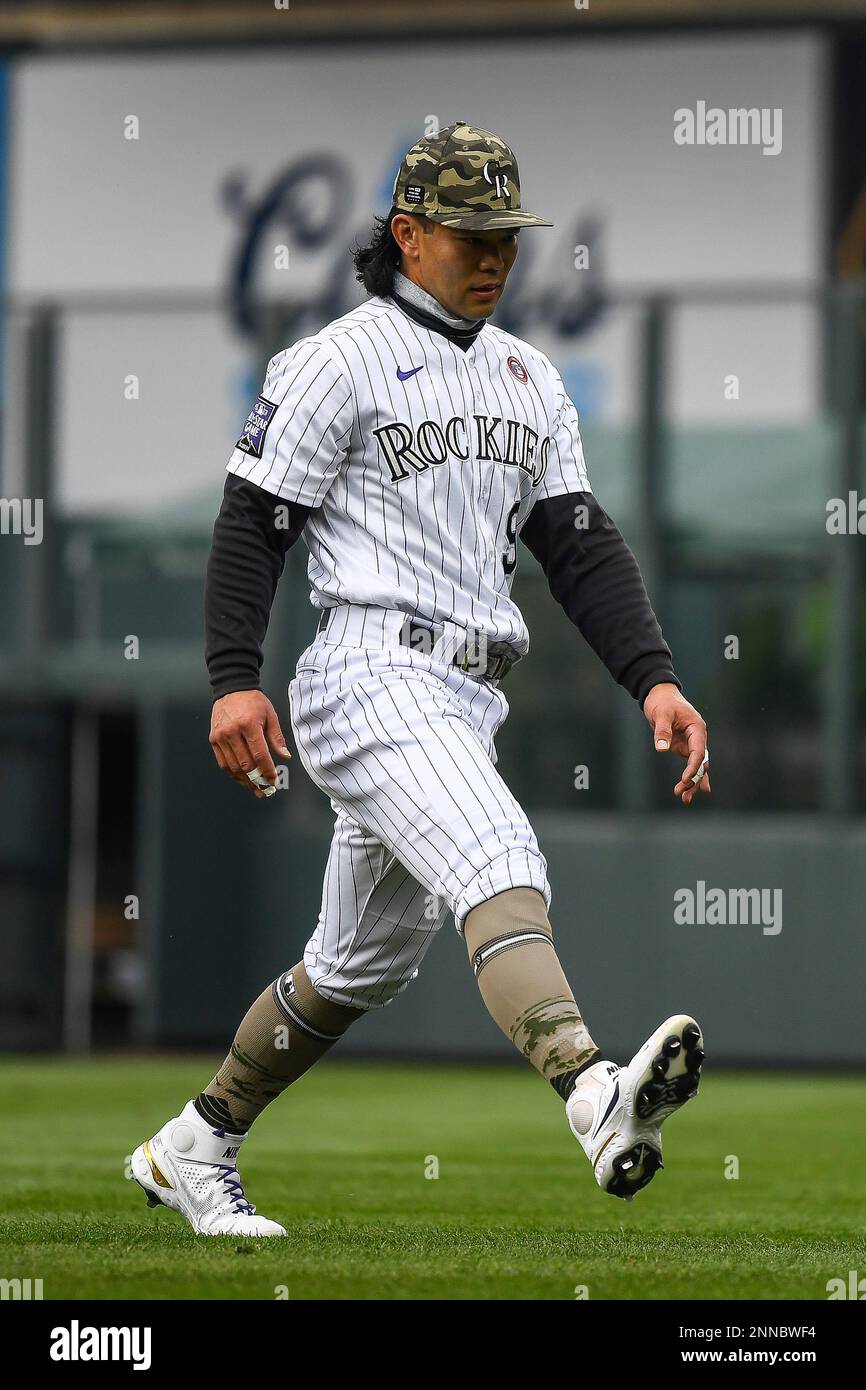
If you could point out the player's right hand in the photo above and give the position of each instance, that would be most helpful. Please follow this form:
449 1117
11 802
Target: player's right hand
244 732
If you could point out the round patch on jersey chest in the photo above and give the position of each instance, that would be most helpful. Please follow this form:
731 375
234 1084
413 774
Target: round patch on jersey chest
516 368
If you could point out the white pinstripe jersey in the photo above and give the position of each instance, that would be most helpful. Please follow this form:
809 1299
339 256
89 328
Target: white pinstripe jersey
421 460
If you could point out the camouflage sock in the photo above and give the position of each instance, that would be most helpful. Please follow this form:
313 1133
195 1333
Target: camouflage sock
510 944
286 1030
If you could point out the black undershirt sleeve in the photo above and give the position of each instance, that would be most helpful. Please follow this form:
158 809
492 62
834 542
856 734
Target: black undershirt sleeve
593 574
251 536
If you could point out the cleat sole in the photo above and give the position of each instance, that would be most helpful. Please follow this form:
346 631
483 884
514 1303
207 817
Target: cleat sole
633 1170
674 1073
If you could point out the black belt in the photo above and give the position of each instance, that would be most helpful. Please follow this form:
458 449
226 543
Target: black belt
422 637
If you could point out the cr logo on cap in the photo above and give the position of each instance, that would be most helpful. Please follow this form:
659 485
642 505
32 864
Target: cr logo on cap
500 180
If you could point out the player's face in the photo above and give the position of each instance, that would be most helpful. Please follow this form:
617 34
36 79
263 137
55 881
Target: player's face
465 271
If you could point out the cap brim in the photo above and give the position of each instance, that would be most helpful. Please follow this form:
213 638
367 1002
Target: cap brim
488 221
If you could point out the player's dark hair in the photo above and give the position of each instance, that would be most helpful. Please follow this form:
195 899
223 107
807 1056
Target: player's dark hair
376 262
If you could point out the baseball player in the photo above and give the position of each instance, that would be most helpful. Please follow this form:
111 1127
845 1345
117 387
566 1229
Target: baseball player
411 444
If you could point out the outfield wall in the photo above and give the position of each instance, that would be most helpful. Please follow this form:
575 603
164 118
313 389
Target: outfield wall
783 991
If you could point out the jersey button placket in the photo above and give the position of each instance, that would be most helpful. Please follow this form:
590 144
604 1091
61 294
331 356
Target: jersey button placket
472 373
468 367
470 423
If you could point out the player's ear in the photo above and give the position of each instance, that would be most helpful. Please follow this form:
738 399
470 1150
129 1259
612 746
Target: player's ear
404 230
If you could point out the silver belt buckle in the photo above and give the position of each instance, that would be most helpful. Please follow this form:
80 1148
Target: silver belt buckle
469 661
497 664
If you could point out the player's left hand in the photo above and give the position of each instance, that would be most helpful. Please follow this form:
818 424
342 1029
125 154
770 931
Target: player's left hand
677 726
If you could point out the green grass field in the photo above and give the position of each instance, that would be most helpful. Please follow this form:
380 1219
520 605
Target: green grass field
514 1213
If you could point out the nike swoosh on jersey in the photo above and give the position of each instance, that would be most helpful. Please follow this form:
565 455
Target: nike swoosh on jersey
404 376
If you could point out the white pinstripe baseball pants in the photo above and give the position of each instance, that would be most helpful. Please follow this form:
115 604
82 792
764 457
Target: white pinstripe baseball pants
403 745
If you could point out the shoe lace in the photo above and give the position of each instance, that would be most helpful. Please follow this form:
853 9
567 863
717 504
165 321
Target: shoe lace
234 1188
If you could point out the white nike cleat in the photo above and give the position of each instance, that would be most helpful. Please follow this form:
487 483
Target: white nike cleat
616 1113
191 1167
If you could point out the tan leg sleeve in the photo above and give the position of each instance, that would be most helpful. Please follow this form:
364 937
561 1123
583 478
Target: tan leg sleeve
283 1033
510 944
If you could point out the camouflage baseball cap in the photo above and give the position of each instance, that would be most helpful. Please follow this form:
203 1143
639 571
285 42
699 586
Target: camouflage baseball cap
463 178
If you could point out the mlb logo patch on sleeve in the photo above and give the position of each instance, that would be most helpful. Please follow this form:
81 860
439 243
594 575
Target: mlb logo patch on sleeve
252 438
